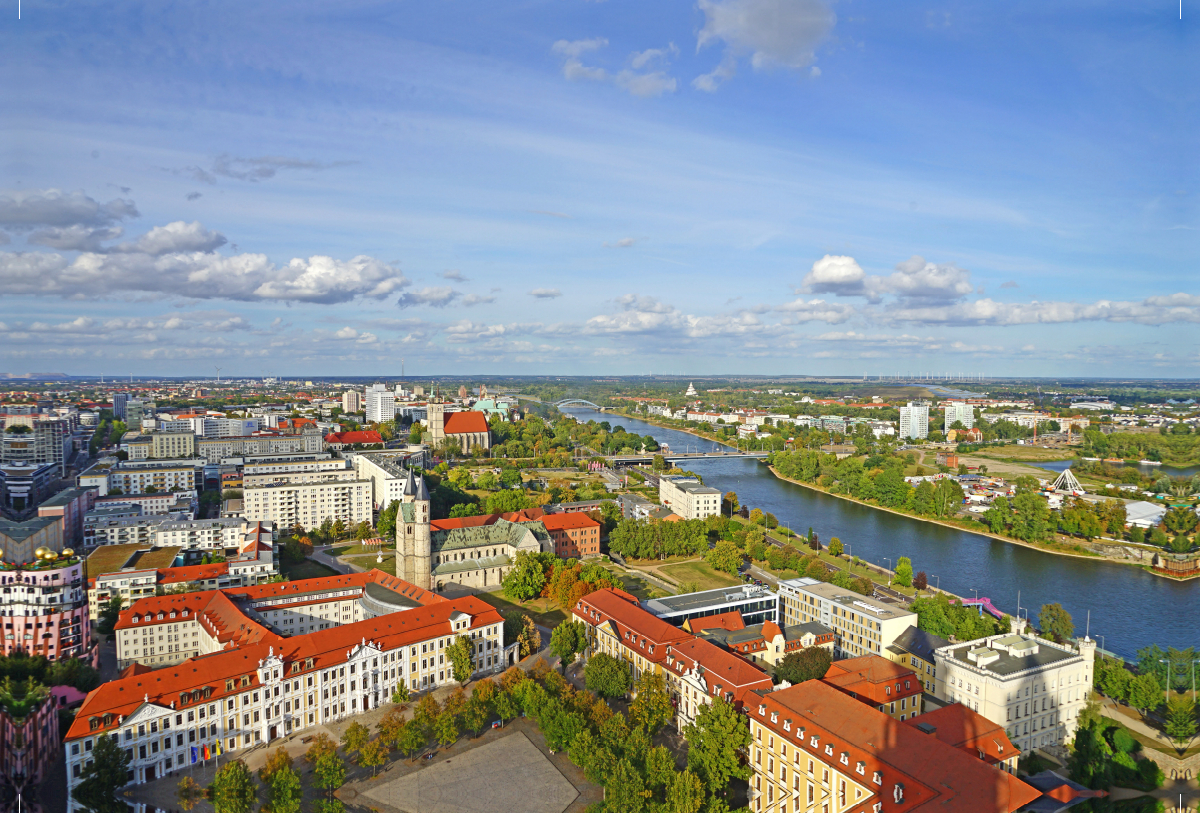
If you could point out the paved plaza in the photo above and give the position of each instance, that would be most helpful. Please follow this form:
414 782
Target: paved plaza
508 774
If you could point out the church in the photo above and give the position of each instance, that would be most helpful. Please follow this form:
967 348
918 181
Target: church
474 551
468 429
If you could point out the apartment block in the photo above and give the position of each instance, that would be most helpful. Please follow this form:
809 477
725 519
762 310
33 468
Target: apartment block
959 411
688 497
914 421
309 504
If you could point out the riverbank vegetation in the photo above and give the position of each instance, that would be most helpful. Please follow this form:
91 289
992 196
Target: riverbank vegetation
1177 446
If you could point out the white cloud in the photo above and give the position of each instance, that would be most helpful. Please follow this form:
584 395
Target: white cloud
814 310
254 169
773 33
435 297
200 275
75 238
53 207
477 299
573 67
645 85
835 274
640 59
1155 310
709 82
546 293
453 274
1009 284
174 237
624 242
350 334
917 279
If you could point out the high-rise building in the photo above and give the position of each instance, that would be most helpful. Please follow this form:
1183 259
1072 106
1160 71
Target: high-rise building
914 421
352 401
119 399
959 411
381 404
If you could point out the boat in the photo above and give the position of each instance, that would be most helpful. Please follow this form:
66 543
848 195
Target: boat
1114 460
1150 462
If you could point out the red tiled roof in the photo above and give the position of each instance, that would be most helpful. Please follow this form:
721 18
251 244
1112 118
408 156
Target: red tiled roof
770 629
969 731
360 436
722 669
326 647
134 669
620 608
462 423
731 621
534 514
870 677
563 522
936 777
192 573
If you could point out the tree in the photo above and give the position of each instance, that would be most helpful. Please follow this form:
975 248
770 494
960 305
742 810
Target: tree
446 728
285 791
606 675
920 581
506 706
835 547
725 557
329 773
410 738
567 640
426 714
1056 622
474 714
461 655
809 663
321 744
401 694
1181 719
526 578
625 790
729 503
1145 692
277 761
109 614
233 789
651 707
371 755
715 741
354 738
756 517
685 794
102 778
904 571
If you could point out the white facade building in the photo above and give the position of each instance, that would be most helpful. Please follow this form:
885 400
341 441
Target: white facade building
914 421
352 401
309 504
688 497
381 404
959 411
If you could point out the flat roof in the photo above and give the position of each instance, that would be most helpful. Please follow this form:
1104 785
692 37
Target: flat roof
1047 655
846 598
708 598
111 558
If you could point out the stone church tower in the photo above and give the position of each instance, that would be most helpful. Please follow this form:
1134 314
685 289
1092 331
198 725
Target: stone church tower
413 536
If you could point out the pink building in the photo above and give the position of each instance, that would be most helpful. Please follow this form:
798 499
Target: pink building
29 741
43 607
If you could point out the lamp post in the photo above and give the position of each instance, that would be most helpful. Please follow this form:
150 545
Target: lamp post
939 582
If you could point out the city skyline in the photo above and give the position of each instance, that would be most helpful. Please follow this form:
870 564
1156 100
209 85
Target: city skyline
753 185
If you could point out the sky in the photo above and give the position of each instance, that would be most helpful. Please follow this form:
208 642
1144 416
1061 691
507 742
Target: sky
619 187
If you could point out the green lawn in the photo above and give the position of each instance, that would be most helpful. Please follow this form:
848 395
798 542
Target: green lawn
352 550
633 585
544 611
705 577
307 569
388 565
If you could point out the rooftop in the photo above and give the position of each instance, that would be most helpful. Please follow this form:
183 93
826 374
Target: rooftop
111 558
1006 655
688 602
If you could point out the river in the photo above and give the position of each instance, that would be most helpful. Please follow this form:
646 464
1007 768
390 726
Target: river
1129 608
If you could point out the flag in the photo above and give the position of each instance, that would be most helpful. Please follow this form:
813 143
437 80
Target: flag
206 754
195 755
217 748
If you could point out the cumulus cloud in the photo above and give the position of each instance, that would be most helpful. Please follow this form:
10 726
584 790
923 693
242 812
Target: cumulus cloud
434 297
835 274
453 274
649 315
772 33
477 299
572 51
350 334
546 293
75 238
174 237
645 85
55 208
200 275
917 279
711 81
814 310
1155 310
254 169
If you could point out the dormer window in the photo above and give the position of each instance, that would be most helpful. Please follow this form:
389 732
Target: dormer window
774 717
877 778
815 741
787 725
898 792
861 768
845 758
762 710
828 750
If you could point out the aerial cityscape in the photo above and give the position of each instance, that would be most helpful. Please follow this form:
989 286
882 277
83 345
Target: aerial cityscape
732 406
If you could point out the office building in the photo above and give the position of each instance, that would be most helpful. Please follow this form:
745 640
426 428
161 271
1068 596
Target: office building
71 505
380 404
352 401
1033 687
862 626
36 440
119 401
755 604
687 497
914 421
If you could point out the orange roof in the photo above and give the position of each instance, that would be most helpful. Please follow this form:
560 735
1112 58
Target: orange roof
723 671
327 648
134 669
360 436
770 629
936 777
873 679
192 573
462 423
573 519
618 607
731 621
969 731
524 515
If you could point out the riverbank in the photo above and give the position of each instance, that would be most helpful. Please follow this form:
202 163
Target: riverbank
1055 548
687 431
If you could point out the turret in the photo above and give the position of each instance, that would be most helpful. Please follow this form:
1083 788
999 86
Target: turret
422 538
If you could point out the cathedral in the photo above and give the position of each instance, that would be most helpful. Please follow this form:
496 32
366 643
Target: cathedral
475 551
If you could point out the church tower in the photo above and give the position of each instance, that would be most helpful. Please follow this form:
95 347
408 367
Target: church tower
436 415
422 537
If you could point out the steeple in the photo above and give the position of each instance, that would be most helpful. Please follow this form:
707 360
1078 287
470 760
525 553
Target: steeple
422 491
410 485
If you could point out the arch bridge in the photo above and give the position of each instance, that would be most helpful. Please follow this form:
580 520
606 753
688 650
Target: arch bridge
577 402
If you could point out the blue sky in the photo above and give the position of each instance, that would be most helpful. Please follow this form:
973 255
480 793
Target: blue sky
569 186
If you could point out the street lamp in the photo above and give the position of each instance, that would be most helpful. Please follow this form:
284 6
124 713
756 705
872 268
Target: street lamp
939 582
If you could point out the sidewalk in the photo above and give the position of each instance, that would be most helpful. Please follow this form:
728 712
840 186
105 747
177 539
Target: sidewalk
1110 709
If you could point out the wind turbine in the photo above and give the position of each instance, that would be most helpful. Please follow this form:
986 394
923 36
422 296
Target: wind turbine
218 373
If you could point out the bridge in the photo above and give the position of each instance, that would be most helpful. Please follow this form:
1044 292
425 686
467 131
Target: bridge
577 402
671 457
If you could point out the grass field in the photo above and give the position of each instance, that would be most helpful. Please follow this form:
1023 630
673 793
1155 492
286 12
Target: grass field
388 565
351 550
1024 453
307 569
541 610
705 577
633 585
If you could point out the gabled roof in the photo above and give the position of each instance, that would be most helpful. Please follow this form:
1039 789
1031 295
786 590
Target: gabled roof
871 677
722 670
568 521
968 731
361 436
622 608
936 778
731 621
462 423
915 641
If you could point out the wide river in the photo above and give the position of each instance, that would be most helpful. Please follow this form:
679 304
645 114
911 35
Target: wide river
1129 607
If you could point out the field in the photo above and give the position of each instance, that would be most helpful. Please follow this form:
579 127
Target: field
352 550
388 565
705 577
633 585
307 569
1036 454
543 611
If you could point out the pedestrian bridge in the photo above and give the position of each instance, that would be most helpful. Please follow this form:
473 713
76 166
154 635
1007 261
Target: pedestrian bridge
577 402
